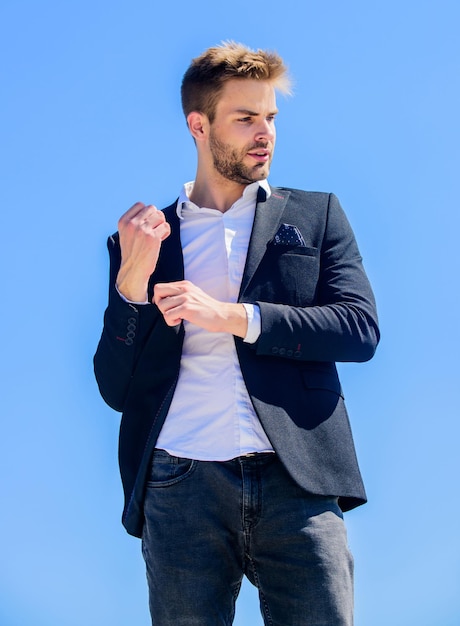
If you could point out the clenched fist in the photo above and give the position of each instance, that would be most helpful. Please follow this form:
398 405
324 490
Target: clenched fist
142 229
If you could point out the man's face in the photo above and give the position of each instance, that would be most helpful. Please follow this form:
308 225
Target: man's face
242 135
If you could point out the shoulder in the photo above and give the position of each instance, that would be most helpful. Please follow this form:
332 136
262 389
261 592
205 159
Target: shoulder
303 197
313 202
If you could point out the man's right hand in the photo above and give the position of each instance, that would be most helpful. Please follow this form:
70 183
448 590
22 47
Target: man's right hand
142 229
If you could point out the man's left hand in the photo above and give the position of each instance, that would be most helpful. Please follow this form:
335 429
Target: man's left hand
182 300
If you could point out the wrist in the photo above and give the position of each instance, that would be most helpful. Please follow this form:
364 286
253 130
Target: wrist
235 320
132 288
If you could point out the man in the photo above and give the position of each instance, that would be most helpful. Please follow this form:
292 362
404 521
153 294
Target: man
227 313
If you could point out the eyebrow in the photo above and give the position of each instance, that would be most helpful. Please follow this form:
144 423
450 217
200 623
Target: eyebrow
252 113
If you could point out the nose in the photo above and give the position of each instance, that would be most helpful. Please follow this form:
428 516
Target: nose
265 131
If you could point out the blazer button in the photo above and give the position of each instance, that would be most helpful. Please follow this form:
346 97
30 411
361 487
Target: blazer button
275 350
282 351
289 353
297 354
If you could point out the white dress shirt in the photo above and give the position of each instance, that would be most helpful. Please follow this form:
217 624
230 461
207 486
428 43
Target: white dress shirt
211 417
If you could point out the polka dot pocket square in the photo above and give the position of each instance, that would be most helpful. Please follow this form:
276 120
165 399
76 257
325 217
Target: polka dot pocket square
288 235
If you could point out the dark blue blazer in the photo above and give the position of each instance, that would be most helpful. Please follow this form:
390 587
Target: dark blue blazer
317 308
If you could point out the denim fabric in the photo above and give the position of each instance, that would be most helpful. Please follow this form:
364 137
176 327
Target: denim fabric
209 523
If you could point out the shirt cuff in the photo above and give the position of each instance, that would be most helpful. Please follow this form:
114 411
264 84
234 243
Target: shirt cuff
254 323
126 299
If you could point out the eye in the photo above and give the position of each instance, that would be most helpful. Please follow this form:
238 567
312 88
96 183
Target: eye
245 120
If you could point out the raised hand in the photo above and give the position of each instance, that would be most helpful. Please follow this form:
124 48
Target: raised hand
142 229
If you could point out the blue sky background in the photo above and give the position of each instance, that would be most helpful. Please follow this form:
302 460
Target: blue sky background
91 123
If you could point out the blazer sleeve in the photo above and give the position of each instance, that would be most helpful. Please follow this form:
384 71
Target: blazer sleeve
125 332
341 324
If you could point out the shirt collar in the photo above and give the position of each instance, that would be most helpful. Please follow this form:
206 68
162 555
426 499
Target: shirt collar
250 193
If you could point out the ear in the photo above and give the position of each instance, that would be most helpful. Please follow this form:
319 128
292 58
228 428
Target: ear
197 125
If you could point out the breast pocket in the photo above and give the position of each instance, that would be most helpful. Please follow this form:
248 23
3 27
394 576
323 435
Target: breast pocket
297 272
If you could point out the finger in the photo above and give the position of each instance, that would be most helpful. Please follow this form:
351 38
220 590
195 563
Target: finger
161 291
152 221
170 307
161 231
151 213
172 321
167 290
132 212
141 213
165 231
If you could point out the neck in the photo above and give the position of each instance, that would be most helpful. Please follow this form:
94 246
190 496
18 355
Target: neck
215 192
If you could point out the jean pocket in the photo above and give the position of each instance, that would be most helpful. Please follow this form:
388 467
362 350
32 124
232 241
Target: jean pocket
167 469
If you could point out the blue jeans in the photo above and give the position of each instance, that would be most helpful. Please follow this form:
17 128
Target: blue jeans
209 523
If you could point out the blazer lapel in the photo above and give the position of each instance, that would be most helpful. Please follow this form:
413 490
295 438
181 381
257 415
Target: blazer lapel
171 261
170 265
266 223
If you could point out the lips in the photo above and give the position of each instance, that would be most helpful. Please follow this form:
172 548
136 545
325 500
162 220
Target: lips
260 154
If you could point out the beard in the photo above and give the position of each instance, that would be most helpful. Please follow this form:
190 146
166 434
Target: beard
229 162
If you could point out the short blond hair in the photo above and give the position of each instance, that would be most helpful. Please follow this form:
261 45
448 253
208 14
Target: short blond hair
204 80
